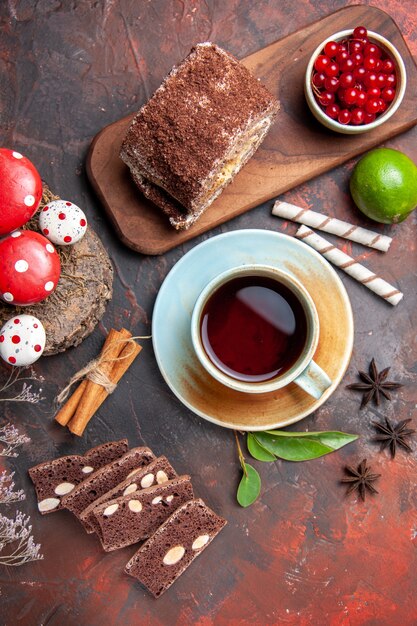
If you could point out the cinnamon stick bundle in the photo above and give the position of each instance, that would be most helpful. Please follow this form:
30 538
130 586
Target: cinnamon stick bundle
117 355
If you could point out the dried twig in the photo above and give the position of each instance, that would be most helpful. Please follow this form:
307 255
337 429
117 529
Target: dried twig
7 495
11 439
18 532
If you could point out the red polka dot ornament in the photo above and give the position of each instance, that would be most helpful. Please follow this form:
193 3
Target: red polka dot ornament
20 190
63 222
30 268
22 340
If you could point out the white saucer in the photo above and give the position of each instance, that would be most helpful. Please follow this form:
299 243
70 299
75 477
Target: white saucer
171 334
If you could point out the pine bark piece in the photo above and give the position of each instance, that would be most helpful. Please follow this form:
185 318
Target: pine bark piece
53 479
72 312
136 516
103 480
173 547
157 472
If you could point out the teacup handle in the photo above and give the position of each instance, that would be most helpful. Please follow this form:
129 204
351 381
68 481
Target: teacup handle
313 380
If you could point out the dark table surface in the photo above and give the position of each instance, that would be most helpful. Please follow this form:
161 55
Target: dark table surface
304 553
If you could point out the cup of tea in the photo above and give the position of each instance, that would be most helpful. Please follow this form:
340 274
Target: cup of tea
255 329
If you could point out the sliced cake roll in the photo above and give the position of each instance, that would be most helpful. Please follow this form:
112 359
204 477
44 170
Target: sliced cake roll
134 517
156 473
196 132
105 479
171 549
55 479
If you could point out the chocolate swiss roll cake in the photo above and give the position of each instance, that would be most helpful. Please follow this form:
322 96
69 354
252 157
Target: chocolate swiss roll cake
134 517
176 543
156 473
55 479
196 132
104 479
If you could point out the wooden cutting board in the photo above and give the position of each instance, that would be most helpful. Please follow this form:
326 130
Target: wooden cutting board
296 149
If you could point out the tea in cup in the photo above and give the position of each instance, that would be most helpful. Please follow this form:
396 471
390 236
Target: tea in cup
255 329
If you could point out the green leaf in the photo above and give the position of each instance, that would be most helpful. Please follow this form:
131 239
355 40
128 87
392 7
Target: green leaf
257 451
249 486
302 446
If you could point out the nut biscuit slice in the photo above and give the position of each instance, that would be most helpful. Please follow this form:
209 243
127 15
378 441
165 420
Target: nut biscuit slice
103 480
157 472
134 517
54 479
171 549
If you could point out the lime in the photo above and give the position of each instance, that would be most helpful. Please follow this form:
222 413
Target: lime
384 185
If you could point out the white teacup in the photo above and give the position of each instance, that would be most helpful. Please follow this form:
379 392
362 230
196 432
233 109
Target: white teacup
304 372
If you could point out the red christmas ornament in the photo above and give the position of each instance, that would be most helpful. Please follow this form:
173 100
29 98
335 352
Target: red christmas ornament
30 268
20 190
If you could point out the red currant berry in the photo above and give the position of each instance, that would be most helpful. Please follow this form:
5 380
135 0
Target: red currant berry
382 105
358 116
326 98
331 83
347 65
321 63
351 95
331 48
388 66
382 80
355 46
346 80
371 49
332 111
391 80
370 79
388 94
357 58
360 32
374 92
344 116
318 79
361 99
369 62
342 56
332 69
372 106
369 118
359 74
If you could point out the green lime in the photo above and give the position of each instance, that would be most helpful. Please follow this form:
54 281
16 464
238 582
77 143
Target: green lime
384 185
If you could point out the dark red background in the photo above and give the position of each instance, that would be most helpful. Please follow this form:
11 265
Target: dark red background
303 553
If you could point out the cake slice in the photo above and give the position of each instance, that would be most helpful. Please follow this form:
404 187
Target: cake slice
106 478
54 479
171 549
134 517
196 132
157 472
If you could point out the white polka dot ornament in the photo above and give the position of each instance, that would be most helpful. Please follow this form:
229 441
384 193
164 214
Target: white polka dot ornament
22 340
63 222
30 268
20 190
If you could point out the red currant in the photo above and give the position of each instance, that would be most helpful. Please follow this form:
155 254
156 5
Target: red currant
373 50
373 92
388 66
370 79
388 94
332 111
391 80
346 80
331 83
359 73
332 69
372 105
360 32
355 46
358 116
361 99
327 98
382 80
331 48
369 118
347 65
344 116
342 56
357 58
369 62
351 95
321 63
318 79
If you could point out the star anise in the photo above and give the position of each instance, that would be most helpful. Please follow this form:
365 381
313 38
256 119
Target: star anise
360 479
374 385
393 435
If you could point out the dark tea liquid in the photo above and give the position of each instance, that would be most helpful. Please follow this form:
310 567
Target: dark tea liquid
253 328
